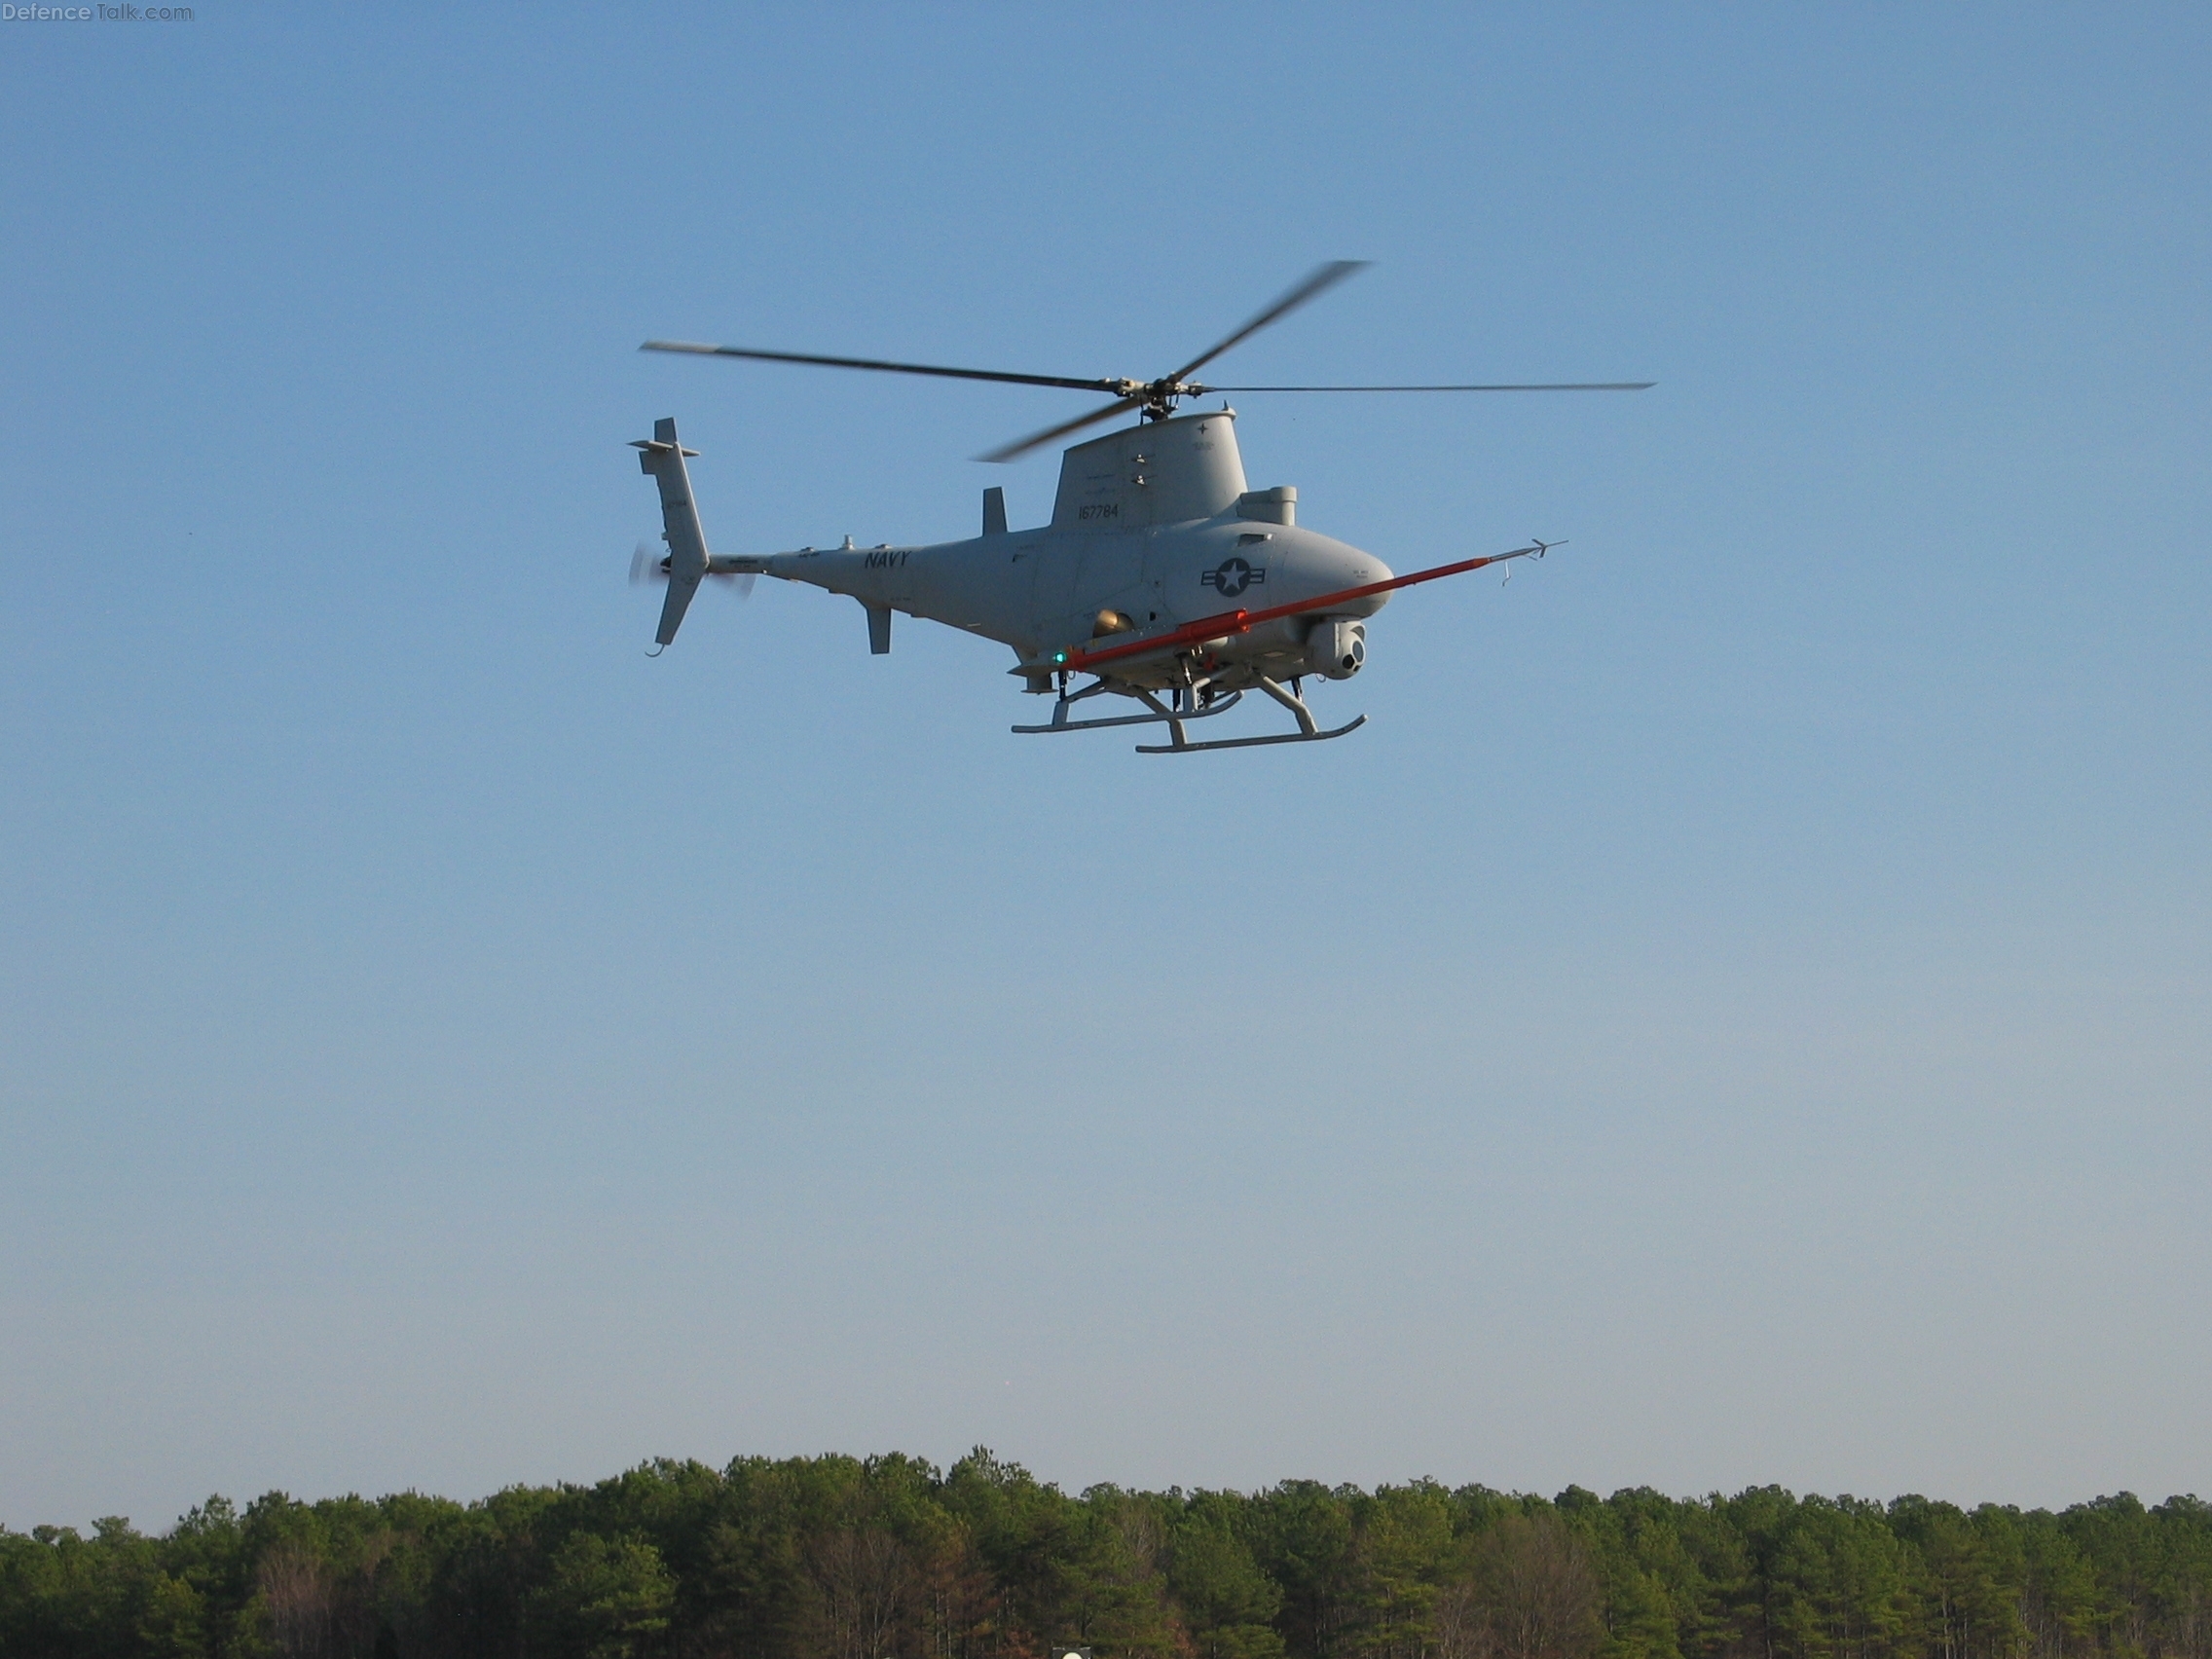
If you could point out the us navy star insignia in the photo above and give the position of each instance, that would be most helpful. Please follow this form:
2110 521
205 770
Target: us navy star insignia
1232 576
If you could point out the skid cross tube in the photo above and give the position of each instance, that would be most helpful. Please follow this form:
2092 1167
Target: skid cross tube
1060 721
1308 729
1233 622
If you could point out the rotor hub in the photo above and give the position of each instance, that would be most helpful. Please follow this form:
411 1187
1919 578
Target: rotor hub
1161 395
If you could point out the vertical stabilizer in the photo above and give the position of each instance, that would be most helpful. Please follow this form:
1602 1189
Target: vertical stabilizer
662 457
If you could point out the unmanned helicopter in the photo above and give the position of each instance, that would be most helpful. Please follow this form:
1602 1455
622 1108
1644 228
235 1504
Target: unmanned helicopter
1162 577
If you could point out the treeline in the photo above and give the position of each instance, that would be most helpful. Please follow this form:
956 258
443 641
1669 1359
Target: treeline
835 1558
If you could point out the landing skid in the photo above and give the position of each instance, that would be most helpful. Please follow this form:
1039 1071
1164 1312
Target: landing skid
1061 723
1308 729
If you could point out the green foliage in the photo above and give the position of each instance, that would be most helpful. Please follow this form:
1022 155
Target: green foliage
889 1558
602 1599
1228 1602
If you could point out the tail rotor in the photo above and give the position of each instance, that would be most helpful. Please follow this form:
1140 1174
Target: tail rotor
649 568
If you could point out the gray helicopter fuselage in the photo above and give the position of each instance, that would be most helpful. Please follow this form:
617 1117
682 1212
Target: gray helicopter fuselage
1043 590
1152 530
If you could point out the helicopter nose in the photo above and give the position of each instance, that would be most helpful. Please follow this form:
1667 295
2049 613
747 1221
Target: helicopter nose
1347 566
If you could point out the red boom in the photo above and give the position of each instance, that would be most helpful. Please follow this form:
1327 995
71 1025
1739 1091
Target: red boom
1231 622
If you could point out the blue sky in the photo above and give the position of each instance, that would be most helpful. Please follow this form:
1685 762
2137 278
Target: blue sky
1738 1012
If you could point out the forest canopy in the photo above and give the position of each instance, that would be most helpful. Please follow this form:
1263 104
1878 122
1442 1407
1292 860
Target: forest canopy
890 1558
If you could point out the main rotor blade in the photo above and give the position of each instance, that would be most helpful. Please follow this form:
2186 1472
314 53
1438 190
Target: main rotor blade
1323 279
876 363
1573 386
1022 446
